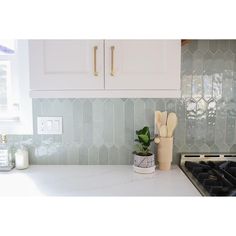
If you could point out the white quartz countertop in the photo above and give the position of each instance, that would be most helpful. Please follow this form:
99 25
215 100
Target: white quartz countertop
91 180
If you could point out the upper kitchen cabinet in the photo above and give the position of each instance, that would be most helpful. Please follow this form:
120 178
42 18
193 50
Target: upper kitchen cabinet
66 64
142 64
105 68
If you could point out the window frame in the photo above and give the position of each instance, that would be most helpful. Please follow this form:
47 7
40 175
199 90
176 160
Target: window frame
7 61
22 122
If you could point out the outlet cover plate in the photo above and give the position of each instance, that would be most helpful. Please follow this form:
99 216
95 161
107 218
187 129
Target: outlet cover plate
49 125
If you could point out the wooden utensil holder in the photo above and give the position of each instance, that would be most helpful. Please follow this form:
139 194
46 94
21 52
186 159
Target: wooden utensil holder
165 153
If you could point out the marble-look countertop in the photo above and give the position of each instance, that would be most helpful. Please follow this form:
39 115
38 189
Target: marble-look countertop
91 180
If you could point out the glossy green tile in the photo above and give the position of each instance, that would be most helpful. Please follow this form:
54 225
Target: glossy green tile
149 114
160 104
213 45
193 46
61 156
181 109
218 65
119 122
208 63
170 105
72 154
103 155
217 81
64 108
230 123
203 45
233 148
93 156
214 148
186 86
98 122
207 87
221 116
230 130
204 148
198 62
126 155
129 122
223 45
108 128
211 122
78 120
233 46
191 121
180 133
139 115
83 155
229 60
87 123
113 158
227 89
187 63
197 85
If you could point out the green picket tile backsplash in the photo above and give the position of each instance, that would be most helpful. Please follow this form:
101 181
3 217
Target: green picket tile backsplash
101 131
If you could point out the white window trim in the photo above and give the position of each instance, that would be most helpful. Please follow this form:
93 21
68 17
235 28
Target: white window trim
24 123
7 63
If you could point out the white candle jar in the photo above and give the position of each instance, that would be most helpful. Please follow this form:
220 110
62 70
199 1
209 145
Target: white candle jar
21 158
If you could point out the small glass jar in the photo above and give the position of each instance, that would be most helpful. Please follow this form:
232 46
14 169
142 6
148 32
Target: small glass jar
6 160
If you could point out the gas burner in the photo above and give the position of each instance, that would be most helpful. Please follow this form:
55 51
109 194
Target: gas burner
212 174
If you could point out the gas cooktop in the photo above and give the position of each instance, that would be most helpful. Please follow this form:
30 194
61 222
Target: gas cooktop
212 174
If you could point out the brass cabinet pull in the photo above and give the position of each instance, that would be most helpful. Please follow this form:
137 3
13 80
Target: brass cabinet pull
95 73
112 60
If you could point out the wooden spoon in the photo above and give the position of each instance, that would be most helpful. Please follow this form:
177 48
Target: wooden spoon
172 121
163 117
157 122
163 131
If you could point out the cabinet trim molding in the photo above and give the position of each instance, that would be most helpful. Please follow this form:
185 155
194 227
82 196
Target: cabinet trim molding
106 94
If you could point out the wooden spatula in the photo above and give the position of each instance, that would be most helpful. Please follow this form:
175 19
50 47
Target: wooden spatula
172 121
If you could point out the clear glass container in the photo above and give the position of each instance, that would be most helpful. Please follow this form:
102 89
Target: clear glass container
6 160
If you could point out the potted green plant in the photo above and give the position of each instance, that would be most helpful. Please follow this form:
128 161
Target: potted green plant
144 161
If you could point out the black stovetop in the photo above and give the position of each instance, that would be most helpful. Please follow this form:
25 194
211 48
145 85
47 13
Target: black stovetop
216 178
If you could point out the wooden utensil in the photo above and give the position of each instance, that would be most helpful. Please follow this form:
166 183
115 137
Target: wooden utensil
163 118
172 121
163 131
157 122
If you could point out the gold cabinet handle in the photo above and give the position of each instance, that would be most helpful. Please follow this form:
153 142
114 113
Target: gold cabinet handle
112 60
95 73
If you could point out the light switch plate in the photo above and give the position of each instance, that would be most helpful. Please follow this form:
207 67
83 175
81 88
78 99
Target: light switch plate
49 125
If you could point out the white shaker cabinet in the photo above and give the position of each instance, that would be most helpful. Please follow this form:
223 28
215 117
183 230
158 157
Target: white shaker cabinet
142 64
66 64
104 68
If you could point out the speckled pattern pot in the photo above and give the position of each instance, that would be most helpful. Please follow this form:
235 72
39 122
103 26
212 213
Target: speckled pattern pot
144 161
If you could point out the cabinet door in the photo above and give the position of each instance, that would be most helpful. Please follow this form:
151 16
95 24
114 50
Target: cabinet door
142 64
66 64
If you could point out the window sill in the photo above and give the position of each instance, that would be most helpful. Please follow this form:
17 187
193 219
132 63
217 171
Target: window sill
9 118
15 126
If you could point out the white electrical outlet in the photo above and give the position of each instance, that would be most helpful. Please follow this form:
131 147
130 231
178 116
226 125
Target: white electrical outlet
49 125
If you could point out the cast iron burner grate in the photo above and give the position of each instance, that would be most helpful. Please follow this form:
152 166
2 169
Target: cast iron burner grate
218 178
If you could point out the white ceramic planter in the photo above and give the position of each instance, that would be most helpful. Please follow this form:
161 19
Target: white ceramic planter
144 164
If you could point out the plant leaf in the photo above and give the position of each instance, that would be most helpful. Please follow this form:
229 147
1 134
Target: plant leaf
144 138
